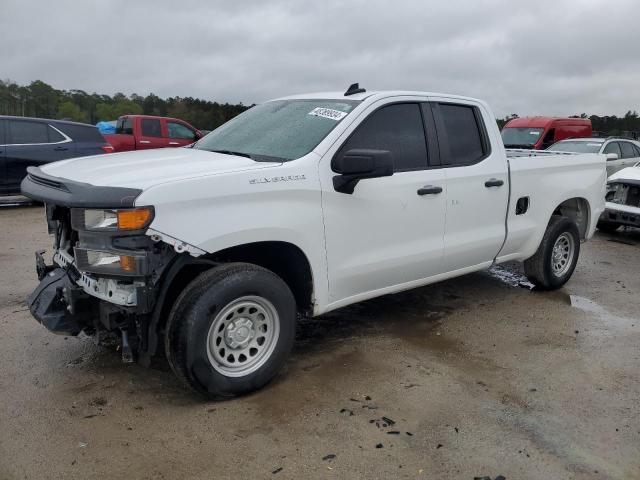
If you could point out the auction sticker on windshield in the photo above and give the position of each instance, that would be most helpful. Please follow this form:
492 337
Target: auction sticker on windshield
328 113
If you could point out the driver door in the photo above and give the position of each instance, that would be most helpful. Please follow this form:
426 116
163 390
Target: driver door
386 235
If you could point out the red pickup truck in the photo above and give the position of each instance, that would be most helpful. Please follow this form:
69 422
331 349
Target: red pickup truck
138 132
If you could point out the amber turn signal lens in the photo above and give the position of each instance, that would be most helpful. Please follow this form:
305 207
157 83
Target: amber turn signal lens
127 263
134 219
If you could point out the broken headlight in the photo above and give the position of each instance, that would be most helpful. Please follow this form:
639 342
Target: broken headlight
111 262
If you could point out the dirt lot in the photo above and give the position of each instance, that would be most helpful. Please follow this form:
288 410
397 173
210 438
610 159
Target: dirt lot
471 377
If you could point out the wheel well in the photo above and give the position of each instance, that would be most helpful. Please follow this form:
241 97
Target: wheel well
578 210
282 258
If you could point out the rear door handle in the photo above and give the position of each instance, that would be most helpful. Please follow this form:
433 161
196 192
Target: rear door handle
494 182
429 190
174 143
61 149
145 141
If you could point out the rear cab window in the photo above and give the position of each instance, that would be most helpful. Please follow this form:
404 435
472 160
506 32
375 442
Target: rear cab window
151 127
461 133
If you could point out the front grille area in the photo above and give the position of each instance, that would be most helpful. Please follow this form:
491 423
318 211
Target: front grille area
633 196
624 194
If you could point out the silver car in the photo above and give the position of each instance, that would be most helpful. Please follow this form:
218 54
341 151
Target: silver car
620 152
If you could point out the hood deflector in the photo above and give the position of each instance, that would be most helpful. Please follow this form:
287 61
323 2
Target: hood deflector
39 186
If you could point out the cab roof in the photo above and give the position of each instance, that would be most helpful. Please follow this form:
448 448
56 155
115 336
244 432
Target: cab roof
373 95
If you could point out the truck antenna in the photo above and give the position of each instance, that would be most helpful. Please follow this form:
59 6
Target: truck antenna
353 89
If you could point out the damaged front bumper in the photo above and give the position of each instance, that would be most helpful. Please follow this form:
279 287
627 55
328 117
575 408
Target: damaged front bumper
621 214
59 304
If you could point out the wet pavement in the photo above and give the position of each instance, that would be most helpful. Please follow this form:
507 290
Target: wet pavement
473 377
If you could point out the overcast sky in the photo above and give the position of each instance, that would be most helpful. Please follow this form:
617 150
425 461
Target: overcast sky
555 57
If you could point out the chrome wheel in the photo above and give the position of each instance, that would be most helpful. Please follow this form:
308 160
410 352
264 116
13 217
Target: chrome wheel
243 336
562 254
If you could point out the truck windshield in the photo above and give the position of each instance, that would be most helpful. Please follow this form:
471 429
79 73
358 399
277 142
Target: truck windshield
281 130
577 147
520 137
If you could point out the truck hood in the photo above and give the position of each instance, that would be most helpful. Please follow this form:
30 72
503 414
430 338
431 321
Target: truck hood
629 173
145 168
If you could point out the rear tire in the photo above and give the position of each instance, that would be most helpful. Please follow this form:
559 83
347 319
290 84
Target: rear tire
231 330
554 262
608 227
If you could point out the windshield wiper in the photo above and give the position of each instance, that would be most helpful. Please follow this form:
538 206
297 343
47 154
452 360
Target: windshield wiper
231 152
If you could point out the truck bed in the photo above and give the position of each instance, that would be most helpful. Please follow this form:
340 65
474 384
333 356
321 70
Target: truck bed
546 181
525 152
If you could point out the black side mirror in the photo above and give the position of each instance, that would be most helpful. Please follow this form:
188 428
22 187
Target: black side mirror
357 164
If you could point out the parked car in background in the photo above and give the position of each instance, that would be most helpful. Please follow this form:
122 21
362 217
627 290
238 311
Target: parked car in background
622 205
304 204
28 142
539 133
620 152
140 132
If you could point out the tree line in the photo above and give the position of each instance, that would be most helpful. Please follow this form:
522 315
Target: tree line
39 99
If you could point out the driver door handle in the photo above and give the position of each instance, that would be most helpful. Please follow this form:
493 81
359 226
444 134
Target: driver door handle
494 182
429 190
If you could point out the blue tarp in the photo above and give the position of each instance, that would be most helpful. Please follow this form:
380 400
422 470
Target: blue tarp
107 127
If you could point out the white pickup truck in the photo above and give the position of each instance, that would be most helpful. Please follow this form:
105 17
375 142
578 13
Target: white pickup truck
300 205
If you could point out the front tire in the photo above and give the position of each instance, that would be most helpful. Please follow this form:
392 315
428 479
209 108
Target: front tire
231 330
555 260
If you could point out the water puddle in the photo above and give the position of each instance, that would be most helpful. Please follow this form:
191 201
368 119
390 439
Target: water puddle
599 311
510 277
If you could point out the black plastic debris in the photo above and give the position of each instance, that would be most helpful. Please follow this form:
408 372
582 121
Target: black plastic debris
439 446
388 421
346 411
379 445
393 432
331 456
410 434
383 422
278 470
500 477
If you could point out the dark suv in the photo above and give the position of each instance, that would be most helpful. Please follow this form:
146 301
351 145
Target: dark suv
34 141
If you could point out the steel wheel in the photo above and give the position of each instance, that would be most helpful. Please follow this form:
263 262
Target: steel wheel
562 254
243 336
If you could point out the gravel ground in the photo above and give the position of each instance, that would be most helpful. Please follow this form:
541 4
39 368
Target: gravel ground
477 376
